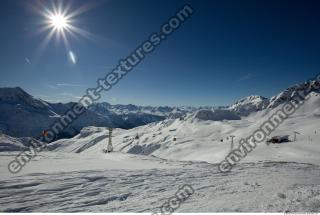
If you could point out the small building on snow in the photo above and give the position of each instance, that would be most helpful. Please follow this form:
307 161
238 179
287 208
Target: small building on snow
279 139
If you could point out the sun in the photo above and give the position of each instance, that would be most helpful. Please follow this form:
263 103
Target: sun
58 22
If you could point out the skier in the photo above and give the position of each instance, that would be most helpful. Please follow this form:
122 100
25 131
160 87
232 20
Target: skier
44 133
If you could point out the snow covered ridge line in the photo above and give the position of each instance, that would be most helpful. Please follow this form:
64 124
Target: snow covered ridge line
105 84
173 203
248 144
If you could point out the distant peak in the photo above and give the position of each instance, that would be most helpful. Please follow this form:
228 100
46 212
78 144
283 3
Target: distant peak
13 91
215 115
251 98
17 95
249 104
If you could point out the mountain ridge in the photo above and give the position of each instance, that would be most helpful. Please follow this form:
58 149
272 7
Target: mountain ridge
23 115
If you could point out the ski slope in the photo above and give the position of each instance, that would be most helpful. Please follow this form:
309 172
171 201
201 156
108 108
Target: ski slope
250 187
194 139
151 162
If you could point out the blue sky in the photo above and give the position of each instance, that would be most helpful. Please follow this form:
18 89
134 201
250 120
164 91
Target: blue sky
227 50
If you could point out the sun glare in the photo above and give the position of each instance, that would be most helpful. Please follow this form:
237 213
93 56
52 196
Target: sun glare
58 21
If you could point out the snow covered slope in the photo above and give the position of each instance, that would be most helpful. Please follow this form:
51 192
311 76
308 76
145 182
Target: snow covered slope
204 139
9 144
293 91
152 162
250 104
79 186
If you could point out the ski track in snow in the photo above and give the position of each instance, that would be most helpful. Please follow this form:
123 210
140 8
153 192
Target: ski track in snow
254 187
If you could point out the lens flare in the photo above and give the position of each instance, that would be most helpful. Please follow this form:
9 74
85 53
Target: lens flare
72 57
59 22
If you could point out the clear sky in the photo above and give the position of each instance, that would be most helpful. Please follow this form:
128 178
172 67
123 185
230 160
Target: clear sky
227 50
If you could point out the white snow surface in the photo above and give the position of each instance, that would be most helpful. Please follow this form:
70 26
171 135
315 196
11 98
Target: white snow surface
151 162
250 104
200 139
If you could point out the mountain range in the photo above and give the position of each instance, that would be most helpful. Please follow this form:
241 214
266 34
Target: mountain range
22 115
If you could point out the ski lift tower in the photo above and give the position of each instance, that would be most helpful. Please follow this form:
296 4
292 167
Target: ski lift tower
295 135
110 147
232 137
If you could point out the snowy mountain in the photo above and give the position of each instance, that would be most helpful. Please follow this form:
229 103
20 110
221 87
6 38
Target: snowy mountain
215 115
105 108
23 115
19 96
251 104
16 104
203 136
290 93
127 116
151 162
247 105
